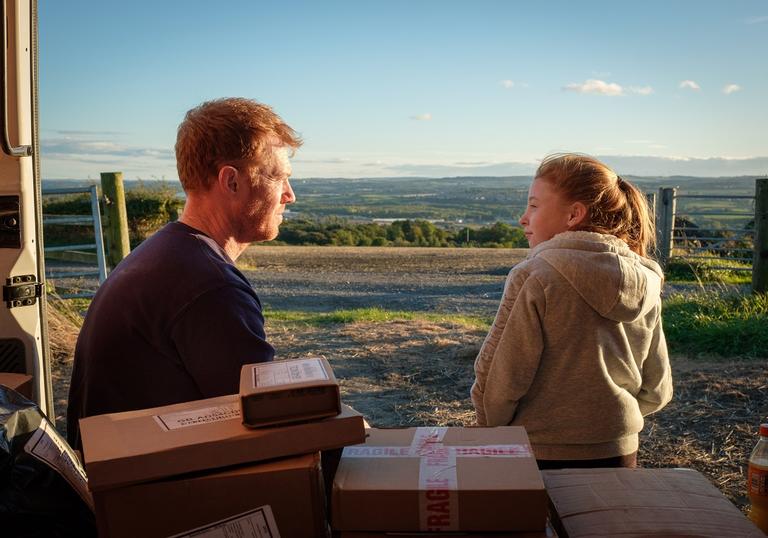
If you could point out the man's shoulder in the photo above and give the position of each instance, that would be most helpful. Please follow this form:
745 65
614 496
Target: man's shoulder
176 245
175 262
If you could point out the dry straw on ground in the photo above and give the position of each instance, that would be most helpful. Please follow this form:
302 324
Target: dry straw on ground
413 373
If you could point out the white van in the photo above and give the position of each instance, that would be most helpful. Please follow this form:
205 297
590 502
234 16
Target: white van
23 334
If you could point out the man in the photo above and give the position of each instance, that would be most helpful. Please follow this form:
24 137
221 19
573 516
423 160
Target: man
176 320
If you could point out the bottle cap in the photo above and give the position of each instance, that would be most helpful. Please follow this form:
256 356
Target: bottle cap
764 430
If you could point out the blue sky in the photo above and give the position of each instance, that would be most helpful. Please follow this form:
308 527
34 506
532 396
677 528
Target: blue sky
427 88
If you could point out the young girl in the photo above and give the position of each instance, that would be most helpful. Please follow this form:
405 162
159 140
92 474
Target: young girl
577 353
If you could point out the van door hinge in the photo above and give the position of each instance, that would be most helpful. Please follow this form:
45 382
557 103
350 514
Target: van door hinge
21 291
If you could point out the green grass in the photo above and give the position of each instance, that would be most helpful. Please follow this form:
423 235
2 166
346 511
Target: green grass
706 324
374 315
715 325
707 271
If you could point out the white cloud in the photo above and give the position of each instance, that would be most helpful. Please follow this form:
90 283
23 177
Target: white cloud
508 84
595 86
757 20
422 117
334 160
66 148
648 143
76 133
479 165
686 166
689 85
462 169
643 90
731 88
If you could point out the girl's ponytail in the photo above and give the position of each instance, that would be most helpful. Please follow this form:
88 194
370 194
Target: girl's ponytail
640 230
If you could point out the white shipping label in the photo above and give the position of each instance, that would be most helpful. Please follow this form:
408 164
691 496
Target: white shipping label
257 523
47 446
196 417
272 374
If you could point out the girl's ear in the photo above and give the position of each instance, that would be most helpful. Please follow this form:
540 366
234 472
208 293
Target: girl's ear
578 213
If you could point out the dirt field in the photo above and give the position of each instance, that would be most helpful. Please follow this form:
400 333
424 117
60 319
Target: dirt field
418 373
467 281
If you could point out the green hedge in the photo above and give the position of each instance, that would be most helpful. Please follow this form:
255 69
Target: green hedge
148 207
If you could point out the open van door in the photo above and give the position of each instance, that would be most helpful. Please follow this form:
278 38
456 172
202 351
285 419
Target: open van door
23 330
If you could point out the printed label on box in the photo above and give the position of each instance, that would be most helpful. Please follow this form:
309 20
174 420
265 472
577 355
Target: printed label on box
47 446
272 374
257 523
196 417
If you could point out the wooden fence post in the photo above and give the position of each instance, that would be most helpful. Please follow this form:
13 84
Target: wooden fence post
118 245
665 222
760 254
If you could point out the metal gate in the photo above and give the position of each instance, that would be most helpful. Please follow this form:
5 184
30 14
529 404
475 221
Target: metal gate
693 233
94 220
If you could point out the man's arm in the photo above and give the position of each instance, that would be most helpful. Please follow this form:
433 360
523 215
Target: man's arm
219 332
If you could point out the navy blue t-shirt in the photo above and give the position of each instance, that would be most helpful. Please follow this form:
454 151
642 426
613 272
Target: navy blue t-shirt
174 322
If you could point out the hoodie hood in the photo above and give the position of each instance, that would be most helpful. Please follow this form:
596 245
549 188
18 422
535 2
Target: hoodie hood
617 283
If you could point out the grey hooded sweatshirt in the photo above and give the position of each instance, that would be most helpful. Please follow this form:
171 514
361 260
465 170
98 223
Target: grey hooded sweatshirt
576 353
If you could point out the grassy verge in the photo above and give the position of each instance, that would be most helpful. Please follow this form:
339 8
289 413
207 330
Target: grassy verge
710 324
708 271
700 325
374 315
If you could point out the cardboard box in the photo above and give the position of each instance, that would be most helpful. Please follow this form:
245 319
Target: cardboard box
291 488
549 532
440 479
21 383
641 502
138 446
282 392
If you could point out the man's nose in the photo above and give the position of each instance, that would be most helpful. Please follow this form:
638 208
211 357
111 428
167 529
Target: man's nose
288 195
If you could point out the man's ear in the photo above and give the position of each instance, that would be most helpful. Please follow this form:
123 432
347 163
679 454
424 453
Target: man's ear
227 180
577 214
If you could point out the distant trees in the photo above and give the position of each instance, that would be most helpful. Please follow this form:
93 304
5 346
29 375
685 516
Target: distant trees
400 233
500 234
151 208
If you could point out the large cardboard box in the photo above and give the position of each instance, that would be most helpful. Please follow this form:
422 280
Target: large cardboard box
137 446
290 489
21 383
641 502
440 479
281 392
549 532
